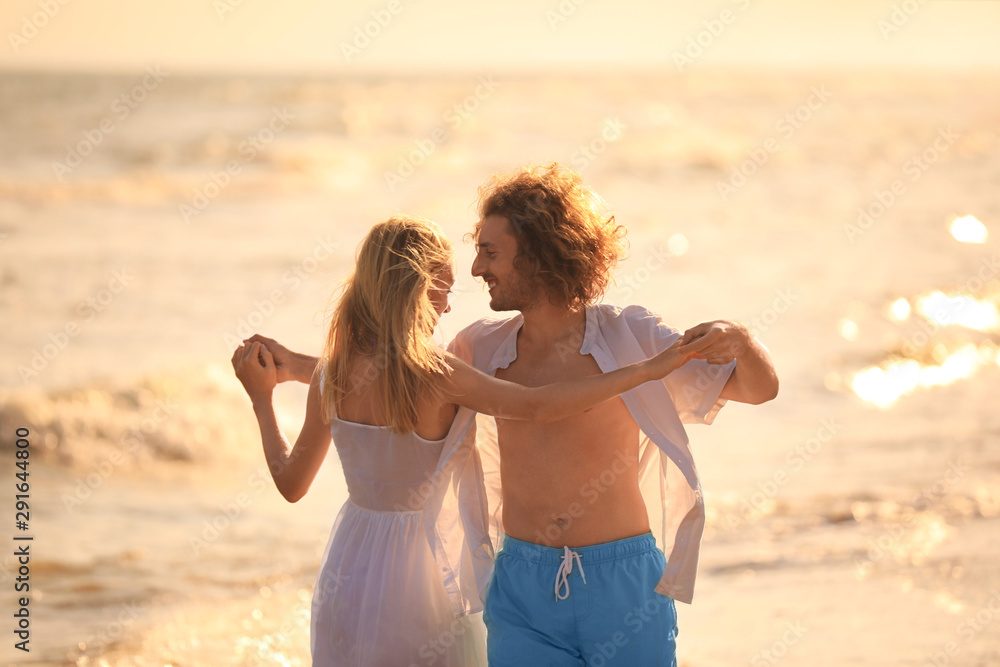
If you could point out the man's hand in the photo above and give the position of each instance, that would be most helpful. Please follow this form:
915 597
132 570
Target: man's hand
754 379
717 342
254 366
288 365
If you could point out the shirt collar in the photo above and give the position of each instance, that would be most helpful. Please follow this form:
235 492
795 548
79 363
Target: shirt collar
591 331
507 350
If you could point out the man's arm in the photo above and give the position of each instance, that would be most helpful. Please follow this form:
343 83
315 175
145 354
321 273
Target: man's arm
754 379
290 365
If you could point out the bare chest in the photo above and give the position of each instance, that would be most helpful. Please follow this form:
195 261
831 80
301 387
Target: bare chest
606 422
537 368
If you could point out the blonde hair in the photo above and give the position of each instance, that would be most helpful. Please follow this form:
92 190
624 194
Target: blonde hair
564 237
384 312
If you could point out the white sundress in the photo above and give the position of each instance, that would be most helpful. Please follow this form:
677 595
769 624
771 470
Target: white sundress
380 600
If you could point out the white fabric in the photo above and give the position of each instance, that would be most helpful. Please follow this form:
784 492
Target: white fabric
399 585
668 478
565 569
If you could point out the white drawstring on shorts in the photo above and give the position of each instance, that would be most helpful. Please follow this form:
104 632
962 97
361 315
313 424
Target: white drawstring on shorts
565 568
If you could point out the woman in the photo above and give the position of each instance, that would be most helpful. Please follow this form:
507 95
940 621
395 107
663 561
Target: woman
399 410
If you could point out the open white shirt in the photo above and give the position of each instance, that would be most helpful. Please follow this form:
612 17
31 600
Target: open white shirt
668 478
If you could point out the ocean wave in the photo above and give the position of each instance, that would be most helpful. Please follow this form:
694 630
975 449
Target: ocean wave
191 418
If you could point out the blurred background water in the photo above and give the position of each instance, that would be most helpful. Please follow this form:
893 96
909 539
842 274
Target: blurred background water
151 219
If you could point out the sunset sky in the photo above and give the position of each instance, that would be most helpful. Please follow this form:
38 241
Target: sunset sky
311 35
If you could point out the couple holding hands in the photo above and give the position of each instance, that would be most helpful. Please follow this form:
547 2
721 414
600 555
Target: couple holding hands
537 470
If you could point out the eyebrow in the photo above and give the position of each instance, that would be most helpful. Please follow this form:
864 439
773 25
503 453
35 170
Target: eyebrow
487 244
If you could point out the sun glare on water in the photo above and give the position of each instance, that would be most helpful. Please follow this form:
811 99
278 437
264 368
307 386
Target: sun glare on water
900 309
943 309
883 385
968 229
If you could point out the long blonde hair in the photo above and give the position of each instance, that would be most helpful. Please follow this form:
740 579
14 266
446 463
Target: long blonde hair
385 313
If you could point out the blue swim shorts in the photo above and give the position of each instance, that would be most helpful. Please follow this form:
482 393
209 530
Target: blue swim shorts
591 606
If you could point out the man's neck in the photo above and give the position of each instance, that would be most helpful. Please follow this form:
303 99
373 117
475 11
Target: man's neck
549 324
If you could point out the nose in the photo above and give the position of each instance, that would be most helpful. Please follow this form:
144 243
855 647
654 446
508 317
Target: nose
477 266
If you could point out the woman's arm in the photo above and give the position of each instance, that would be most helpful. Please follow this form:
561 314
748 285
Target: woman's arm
483 393
292 468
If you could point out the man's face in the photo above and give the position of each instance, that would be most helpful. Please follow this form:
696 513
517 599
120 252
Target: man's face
440 289
496 249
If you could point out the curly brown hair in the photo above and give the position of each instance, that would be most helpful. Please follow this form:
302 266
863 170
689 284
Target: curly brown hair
563 237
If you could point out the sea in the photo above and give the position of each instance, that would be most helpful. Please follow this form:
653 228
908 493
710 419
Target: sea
150 221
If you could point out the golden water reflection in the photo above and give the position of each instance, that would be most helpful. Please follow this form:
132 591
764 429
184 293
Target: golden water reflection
900 310
967 229
960 309
883 385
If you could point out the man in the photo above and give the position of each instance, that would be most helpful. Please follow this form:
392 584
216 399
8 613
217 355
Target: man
579 579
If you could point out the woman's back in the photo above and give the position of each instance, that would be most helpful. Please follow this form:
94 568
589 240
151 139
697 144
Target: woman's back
380 600
385 471
362 403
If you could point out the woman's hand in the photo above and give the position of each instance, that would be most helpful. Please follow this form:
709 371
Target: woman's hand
254 366
289 365
718 342
672 358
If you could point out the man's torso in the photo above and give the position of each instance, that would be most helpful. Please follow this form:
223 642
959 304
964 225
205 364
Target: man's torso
572 482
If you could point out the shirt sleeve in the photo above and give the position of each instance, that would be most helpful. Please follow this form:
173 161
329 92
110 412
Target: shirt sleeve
695 386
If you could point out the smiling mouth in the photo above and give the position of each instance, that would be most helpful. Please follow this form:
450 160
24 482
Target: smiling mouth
491 283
